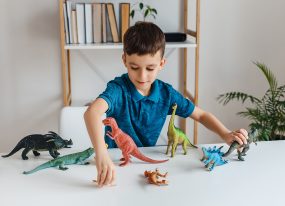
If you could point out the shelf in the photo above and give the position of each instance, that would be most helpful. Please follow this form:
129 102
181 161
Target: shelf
186 44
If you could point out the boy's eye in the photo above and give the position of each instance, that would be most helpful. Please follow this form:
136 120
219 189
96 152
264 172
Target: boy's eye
149 69
134 68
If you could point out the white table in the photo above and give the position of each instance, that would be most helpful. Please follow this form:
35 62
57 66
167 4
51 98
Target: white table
257 181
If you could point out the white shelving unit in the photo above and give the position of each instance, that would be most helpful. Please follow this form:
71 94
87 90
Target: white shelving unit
66 48
186 44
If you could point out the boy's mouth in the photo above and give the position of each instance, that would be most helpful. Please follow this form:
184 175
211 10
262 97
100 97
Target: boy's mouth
141 83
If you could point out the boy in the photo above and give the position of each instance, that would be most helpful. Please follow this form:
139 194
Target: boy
140 103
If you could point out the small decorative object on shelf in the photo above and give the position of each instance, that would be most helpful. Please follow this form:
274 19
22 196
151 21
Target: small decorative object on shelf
212 157
153 177
176 136
37 142
242 149
144 10
126 143
175 37
74 158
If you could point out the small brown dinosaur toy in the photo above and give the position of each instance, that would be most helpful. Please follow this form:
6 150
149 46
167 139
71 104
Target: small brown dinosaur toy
126 143
153 177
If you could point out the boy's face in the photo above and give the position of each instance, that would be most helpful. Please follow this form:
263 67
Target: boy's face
142 70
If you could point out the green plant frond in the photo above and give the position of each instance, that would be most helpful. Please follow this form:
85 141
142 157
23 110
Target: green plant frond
146 13
154 11
250 113
268 113
239 96
268 74
132 14
141 6
255 125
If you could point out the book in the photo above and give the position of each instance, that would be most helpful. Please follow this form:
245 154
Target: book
124 18
109 37
66 30
74 27
97 23
104 23
112 22
88 23
80 17
68 11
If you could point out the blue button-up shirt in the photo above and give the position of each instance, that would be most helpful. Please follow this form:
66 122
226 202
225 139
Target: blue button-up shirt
142 117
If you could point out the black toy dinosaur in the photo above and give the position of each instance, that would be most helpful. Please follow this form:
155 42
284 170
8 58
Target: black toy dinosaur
37 142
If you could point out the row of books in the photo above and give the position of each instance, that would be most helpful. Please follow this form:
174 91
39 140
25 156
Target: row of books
86 23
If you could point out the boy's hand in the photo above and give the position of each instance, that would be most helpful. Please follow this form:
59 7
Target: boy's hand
240 136
106 174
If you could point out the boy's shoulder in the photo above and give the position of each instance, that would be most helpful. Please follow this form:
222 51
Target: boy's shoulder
119 82
164 86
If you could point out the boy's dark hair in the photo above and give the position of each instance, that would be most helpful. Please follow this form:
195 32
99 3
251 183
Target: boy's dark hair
144 38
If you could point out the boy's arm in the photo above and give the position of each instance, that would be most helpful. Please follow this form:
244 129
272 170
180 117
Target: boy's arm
213 124
93 121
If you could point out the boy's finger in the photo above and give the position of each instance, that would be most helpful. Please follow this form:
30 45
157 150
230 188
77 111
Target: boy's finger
113 177
103 176
241 137
244 133
108 177
98 176
236 138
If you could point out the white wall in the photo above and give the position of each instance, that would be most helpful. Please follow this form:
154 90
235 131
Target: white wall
233 33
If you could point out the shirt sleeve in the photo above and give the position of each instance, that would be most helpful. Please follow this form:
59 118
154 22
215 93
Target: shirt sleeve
184 106
112 96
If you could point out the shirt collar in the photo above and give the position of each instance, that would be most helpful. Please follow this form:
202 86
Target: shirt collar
154 93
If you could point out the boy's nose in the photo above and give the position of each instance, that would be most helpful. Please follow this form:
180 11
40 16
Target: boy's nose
142 75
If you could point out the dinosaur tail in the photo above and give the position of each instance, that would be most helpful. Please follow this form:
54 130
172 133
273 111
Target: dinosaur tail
19 146
231 149
140 156
190 144
40 167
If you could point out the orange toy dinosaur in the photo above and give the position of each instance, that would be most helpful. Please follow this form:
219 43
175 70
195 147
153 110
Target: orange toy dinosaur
126 143
153 177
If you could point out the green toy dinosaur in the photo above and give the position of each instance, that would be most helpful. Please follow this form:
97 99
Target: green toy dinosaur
176 136
75 158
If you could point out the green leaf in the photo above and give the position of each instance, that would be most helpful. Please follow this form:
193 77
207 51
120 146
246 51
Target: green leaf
268 74
132 14
227 97
141 6
154 11
146 13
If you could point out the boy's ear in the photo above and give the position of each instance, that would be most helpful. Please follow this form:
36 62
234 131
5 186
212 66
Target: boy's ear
162 63
124 58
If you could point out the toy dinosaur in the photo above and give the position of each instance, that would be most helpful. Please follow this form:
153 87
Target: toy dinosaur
126 143
153 177
176 136
37 142
242 149
212 157
75 158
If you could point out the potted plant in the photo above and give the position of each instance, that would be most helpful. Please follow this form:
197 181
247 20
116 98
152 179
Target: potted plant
145 10
268 112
